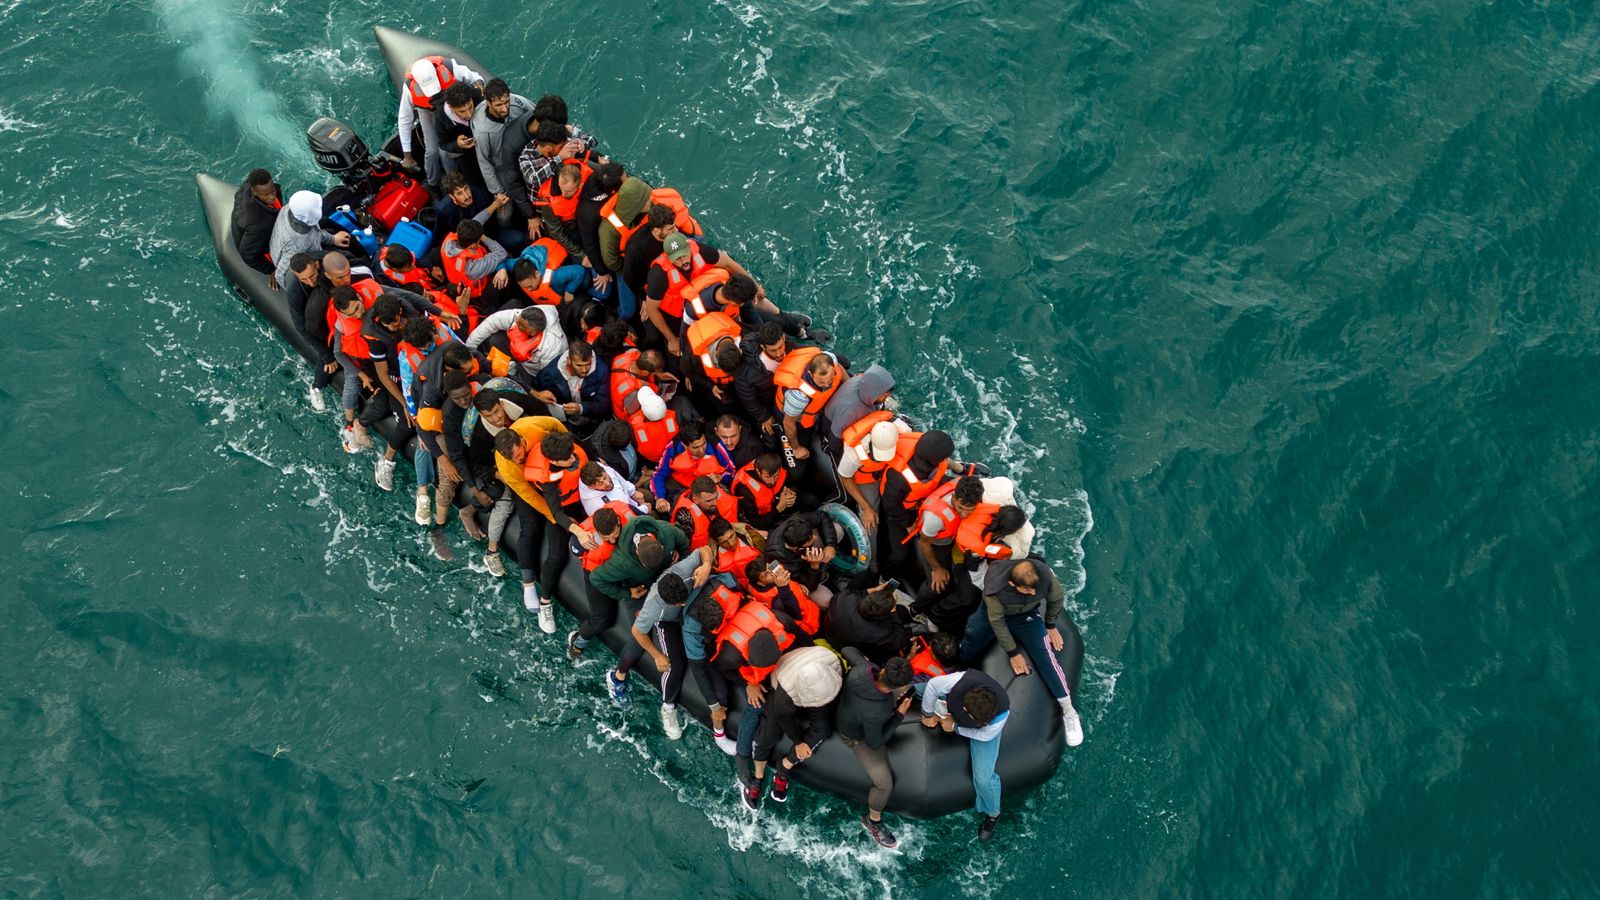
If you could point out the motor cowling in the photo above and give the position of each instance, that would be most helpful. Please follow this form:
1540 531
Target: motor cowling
338 149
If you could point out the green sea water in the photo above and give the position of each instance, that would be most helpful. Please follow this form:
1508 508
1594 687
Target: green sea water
1282 313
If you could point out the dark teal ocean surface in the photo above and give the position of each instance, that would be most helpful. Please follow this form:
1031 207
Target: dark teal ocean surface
1283 313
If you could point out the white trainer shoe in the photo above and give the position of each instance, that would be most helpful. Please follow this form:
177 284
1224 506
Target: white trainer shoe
671 722
317 403
492 562
347 440
725 744
384 475
1069 720
424 510
547 621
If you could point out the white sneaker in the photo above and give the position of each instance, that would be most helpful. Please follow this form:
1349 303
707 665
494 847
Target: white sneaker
671 722
726 744
317 403
547 621
385 474
491 561
347 440
424 511
1069 721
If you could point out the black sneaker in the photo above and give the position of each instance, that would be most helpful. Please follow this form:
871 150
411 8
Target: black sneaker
880 833
780 789
574 652
986 827
751 794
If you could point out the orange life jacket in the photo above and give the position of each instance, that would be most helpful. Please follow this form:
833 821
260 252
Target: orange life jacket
418 280
347 329
919 488
810 620
856 444
625 384
938 503
537 470
664 196
763 496
592 559
446 74
565 208
726 508
554 256
972 540
685 468
455 264
733 562
791 375
652 438
681 287
729 599
414 355
923 662
522 343
704 336
738 631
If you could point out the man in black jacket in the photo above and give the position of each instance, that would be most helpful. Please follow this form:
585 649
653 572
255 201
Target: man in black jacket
869 621
308 310
752 383
255 211
870 708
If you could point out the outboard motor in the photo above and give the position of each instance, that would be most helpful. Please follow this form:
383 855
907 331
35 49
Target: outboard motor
339 150
374 184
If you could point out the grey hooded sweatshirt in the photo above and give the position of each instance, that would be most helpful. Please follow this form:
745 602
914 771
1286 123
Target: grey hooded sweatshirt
854 399
499 146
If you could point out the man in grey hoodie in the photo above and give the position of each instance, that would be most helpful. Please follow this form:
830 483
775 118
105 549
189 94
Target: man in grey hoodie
870 391
500 130
871 706
297 231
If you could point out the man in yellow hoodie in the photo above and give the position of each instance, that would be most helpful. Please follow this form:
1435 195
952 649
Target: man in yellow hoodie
535 523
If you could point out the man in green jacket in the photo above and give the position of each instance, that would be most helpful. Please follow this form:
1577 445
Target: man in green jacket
645 549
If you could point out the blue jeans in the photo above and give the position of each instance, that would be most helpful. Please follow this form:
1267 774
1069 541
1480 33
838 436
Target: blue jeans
1029 632
427 472
627 303
985 780
744 745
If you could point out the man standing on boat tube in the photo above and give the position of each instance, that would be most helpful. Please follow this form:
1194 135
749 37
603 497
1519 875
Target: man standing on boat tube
428 79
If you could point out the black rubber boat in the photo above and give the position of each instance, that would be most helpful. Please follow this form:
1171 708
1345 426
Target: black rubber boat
932 774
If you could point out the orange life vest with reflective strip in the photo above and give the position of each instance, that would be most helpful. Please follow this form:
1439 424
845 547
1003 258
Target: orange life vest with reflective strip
554 256
537 470
791 375
705 334
685 468
857 444
726 508
738 631
904 449
810 620
565 208
625 384
923 662
971 536
347 329
446 74
592 559
729 599
414 355
666 197
455 264
938 503
418 280
763 495
733 562
681 287
651 439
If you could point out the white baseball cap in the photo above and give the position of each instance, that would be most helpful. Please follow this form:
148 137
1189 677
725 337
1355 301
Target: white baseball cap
884 438
306 206
426 77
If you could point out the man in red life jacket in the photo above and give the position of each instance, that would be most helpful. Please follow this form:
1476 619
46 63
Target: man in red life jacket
634 369
694 454
902 490
399 268
425 83
762 492
699 506
600 485
870 446
938 517
520 342
804 381
473 261
654 426
685 267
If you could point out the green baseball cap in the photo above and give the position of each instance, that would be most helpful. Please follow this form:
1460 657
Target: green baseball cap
676 246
